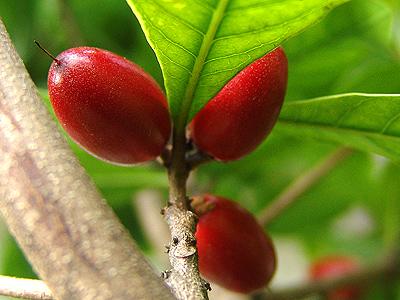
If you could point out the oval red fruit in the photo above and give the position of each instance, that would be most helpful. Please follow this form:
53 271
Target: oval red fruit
335 266
234 251
109 105
241 115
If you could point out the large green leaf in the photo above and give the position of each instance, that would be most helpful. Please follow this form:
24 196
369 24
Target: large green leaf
365 121
349 51
202 44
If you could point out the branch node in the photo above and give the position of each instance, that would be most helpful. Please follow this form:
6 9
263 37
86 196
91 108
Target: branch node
184 278
165 274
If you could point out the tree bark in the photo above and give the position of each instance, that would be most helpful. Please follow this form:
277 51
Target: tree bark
68 233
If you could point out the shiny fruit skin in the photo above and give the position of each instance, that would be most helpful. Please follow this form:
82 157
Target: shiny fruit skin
334 266
233 249
109 105
241 115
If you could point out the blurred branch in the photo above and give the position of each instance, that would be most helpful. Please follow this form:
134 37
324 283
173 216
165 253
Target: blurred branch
387 269
148 207
71 237
300 185
24 288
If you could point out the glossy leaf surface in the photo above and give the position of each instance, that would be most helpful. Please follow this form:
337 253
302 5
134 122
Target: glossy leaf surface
364 121
202 44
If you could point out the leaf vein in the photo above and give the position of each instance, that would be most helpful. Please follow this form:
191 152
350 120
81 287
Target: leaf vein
255 5
269 27
390 122
178 19
168 39
238 54
349 111
204 5
260 45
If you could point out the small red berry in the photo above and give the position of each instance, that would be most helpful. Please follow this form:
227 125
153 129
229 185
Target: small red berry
335 266
234 251
109 105
241 115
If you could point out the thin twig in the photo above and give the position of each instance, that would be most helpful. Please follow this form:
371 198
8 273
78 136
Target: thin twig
301 185
387 269
24 288
184 278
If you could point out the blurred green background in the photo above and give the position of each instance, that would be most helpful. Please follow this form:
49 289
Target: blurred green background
355 210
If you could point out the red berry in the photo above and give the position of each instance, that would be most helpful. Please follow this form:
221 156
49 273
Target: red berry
234 251
335 266
240 116
109 105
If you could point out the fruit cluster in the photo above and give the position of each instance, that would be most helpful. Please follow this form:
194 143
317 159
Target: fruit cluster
118 113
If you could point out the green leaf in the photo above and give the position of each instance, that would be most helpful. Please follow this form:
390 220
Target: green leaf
202 44
368 122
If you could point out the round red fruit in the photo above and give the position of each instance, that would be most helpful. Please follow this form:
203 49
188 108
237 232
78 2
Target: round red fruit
242 114
109 105
336 266
234 251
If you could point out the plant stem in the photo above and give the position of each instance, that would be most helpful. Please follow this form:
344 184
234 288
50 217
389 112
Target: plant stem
300 185
184 278
24 288
178 172
387 269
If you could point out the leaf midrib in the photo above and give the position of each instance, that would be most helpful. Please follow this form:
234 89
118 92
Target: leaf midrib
199 63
